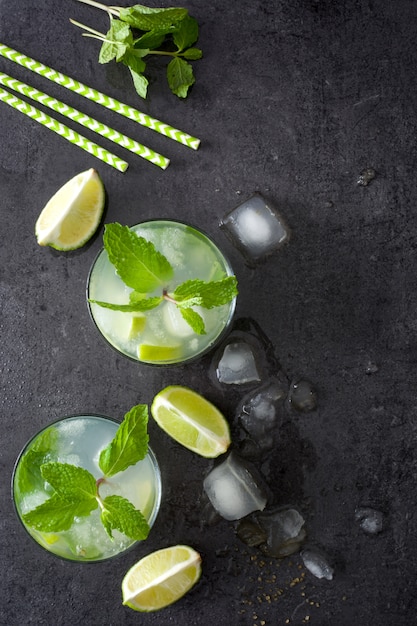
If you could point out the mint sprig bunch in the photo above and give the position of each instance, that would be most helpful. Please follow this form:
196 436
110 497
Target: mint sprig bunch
139 31
144 269
76 492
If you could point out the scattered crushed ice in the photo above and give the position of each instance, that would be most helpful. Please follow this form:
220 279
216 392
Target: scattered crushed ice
370 520
255 229
233 489
259 415
302 396
237 364
317 564
367 175
285 531
371 368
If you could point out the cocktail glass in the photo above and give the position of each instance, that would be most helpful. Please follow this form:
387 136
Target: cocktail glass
161 336
78 440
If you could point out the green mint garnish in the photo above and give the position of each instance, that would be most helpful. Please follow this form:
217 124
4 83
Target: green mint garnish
120 514
74 496
77 492
28 474
129 445
144 269
138 31
138 263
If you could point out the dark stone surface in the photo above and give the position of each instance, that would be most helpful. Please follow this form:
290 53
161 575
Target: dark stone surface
293 100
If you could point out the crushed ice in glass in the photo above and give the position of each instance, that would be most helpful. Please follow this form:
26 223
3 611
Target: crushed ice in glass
233 489
259 415
370 520
237 364
317 564
284 529
255 229
302 396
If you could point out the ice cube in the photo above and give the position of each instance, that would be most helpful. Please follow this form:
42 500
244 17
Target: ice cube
258 412
284 527
302 396
317 564
233 489
175 323
370 520
255 228
237 365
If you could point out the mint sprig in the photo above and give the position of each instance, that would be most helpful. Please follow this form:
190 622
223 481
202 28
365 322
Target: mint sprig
145 269
76 492
138 31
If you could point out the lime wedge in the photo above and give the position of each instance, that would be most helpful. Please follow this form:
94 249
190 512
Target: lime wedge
73 214
137 325
161 578
163 354
191 420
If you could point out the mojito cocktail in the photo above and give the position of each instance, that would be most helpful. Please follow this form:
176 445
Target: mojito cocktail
78 442
174 317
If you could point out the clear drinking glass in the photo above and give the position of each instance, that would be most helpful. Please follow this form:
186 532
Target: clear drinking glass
161 336
78 440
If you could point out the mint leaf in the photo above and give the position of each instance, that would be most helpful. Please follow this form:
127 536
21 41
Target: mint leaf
194 319
120 514
134 59
146 18
136 260
75 496
146 304
129 445
57 514
180 77
186 33
117 40
28 474
71 483
140 82
192 54
152 39
211 294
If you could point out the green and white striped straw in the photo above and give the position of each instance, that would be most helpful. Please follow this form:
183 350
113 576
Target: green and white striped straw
71 135
99 98
84 120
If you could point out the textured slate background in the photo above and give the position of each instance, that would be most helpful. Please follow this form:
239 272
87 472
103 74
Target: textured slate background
292 100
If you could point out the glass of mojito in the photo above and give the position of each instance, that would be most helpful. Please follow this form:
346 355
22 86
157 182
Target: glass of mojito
161 292
77 491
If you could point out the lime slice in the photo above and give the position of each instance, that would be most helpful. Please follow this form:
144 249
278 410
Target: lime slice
73 214
163 354
191 420
137 325
161 578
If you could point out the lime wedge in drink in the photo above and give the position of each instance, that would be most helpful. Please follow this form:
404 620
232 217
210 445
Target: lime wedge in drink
137 325
153 354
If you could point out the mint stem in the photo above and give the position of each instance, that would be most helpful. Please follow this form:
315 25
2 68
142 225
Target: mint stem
98 5
167 297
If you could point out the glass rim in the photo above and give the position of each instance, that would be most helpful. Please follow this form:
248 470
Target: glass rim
208 348
158 484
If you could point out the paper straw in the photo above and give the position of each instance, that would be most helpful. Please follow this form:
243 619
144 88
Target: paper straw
84 120
63 131
100 98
